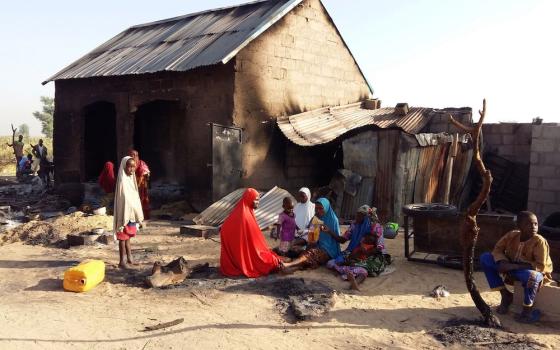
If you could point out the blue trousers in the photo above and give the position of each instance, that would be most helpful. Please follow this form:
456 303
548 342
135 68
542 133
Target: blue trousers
530 279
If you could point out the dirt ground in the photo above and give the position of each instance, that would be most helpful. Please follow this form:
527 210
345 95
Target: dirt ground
392 311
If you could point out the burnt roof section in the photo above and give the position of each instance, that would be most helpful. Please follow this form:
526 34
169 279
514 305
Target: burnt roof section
324 125
181 43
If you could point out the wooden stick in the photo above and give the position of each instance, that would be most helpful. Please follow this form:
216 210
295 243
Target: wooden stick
469 227
163 325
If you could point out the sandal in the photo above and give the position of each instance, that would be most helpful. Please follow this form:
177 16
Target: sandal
533 317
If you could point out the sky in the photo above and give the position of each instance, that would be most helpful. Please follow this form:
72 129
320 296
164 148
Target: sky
429 53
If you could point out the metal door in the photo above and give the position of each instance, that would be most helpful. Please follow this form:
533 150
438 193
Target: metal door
226 160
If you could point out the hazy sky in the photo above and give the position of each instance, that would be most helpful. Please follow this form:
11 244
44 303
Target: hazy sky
428 53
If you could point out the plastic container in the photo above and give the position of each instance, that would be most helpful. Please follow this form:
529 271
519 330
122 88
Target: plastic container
86 276
314 230
391 230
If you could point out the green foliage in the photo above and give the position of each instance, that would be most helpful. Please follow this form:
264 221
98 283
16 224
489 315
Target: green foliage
46 116
23 129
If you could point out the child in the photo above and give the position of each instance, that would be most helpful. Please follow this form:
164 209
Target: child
365 254
521 255
286 226
127 209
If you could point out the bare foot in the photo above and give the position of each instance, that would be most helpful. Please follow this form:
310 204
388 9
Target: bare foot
123 266
133 263
353 283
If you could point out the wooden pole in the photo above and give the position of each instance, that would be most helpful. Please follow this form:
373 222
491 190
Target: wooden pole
469 227
449 167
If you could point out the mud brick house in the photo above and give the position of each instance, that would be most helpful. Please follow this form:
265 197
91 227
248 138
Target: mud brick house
198 96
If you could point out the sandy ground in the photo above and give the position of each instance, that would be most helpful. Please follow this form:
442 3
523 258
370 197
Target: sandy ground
392 311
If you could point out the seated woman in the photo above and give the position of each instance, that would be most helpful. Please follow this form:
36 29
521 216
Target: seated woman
304 211
328 245
365 254
244 250
521 255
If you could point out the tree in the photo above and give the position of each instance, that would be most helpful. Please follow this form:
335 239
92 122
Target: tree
24 130
46 116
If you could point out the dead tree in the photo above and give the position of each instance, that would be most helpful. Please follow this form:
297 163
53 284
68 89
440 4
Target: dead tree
469 227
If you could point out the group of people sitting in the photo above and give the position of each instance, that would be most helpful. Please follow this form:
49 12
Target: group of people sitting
24 163
244 250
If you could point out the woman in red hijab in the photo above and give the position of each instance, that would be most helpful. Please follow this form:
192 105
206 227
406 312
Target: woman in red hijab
244 249
107 178
142 179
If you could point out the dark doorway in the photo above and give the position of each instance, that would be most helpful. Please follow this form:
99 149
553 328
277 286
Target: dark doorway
159 139
100 138
226 160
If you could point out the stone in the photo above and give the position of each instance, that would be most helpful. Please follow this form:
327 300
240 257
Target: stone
199 231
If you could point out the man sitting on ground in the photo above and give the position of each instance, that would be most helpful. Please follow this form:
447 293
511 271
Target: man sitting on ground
522 255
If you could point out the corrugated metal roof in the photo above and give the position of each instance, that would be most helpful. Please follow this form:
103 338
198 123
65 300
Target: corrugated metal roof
326 124
267 213
180 43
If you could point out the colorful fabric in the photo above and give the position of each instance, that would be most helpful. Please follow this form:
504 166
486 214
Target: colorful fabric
344 270
127 206
374 264
142 177
244 250
127 232
326 242
304 213
531 280
288 227
356 234
107 179
314 257
534 251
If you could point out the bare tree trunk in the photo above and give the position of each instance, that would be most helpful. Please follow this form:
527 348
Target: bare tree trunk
469 228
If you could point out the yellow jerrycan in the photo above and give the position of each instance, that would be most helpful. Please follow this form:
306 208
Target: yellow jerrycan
84 277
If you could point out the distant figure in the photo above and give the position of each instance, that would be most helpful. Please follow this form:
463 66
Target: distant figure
244 249
41 152
521 255
18 149
25 166
107 179
127 216
142 178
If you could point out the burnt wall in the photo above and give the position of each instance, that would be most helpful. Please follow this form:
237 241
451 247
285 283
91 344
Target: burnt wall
197 97
301 63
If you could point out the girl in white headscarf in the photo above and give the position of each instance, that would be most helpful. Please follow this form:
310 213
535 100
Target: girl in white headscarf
304 210
127 209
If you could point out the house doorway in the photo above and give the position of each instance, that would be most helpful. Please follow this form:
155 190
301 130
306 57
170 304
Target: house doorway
100 138
159 139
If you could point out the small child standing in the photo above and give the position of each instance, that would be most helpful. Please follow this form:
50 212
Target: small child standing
286 226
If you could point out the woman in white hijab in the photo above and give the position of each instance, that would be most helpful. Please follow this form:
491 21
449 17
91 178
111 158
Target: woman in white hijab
127 209
304 210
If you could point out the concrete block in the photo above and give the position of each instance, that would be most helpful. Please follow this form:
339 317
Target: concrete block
537 131
506 150
551 132
543 171
199 231
551 184
535 183
547 209
535 158
541 145
551 158
542 197
510 139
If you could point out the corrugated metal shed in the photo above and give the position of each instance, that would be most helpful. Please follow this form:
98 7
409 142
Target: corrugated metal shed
180 43
326 124
267 212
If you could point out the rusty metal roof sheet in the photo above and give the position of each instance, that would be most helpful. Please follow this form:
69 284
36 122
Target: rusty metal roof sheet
326 124
267 212
180 43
